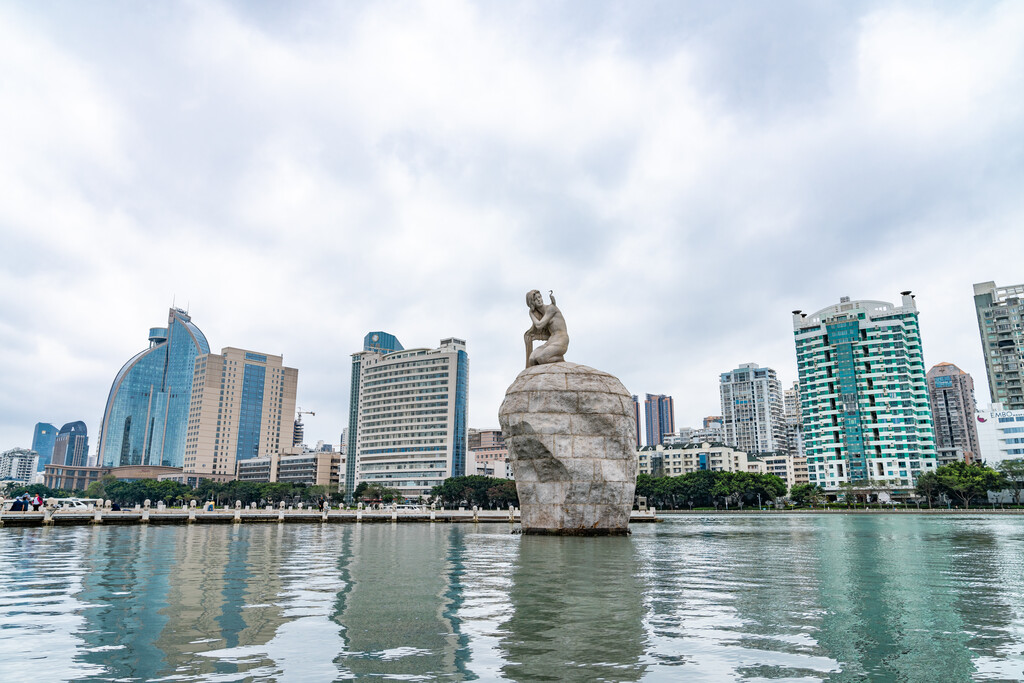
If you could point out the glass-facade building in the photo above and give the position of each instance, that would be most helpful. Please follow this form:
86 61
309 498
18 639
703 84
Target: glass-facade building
659 418
146 417
43 438
863 394
71 447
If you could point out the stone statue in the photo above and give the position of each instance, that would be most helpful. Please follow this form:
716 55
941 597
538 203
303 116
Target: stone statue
571 436
548 326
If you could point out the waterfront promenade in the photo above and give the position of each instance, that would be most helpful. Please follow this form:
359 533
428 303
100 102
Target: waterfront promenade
223 515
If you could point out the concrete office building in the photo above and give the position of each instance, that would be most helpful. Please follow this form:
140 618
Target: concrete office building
145 421
296 465
863 394
951 395
18 465
1000 312
659 418
488 453
242 407
43 438
752 409
71 447
407 425
1000 434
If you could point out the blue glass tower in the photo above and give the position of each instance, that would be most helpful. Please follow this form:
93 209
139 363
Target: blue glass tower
146 416
43 438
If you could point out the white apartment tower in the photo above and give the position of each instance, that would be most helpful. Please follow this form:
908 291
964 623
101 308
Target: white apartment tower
409 412
863 394
752 410
1000 313
242 407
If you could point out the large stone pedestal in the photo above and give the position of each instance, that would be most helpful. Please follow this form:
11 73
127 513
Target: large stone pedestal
571 436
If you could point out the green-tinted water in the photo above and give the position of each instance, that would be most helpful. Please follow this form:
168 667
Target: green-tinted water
837 598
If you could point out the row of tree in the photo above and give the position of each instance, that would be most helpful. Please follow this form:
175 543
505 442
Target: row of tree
706 488
484 492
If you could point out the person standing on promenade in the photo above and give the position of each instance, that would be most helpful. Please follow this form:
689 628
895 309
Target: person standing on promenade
37 502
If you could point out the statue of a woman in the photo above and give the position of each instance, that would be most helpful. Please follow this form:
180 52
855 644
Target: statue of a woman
549 327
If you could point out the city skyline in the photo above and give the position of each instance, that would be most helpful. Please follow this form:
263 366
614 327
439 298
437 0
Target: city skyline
241 163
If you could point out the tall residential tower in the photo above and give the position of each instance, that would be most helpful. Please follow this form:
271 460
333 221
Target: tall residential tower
752 410
1001 324
951 394
659 418
863 393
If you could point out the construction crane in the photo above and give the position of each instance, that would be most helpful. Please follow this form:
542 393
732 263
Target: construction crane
298 433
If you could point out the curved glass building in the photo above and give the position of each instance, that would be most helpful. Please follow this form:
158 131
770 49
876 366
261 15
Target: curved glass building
146 417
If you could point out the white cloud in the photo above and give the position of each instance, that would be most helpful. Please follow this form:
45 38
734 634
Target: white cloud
681 182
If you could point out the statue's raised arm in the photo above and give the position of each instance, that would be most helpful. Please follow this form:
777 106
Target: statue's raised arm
548 326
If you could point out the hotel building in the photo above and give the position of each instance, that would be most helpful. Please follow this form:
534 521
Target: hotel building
1000 313
407 425
863 393
242 407
1000 434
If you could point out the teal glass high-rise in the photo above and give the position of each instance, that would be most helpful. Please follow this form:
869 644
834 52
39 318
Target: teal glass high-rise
146 417
43 437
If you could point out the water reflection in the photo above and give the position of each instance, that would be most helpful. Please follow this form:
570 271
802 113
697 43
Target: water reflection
576 611
751 598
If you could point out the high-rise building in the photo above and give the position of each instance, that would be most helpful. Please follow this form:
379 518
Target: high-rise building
712 421
409 425
636 416
71 447
863 393
1000 313
145 421
951 394
659 418
242 407
791 415
18 465
752 410
43 438
373 342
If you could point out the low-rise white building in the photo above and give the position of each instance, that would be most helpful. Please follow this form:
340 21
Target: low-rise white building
672 461
1000 434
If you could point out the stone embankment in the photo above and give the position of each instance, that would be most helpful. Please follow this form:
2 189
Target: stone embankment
240 515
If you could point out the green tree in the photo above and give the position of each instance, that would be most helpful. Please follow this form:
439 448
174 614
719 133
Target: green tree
806 494
928 486
1013 471
503 494
965 481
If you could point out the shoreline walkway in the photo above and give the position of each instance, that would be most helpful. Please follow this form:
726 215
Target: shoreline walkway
179 515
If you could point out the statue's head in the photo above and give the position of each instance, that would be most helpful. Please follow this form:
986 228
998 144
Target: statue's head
534 299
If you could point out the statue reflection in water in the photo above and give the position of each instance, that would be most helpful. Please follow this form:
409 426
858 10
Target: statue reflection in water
577 611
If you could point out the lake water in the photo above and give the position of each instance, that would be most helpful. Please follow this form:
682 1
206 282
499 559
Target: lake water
716 598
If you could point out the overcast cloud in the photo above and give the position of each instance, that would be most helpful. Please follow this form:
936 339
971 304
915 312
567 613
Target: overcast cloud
682 175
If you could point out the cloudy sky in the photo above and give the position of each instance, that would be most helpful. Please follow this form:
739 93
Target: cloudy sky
682 175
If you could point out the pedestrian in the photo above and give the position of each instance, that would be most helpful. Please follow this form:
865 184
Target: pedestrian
37 503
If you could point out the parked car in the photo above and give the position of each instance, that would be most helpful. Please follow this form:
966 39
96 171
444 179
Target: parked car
71 504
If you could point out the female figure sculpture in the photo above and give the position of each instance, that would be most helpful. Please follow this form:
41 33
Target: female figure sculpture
548 326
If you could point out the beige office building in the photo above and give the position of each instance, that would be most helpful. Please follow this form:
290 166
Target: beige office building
243 405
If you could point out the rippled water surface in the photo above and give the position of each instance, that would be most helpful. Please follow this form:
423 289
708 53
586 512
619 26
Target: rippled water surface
797 598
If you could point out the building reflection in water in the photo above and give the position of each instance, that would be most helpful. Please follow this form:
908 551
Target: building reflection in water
576 611
399 610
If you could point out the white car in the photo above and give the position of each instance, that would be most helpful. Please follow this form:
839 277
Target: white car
71 504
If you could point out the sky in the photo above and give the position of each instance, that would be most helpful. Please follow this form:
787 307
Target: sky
681 175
